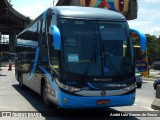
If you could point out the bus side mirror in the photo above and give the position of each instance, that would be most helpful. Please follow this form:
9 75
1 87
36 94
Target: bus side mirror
141 36
56 37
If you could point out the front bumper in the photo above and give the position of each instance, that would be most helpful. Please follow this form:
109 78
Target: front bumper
74 102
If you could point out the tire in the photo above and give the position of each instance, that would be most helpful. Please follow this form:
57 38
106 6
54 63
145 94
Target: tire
139 85
155 87
45 97
21 81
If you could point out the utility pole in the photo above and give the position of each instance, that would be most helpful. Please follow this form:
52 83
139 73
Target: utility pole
54 1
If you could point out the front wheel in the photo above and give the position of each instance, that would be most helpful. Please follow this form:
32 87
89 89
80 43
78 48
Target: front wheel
21 82
45 97
139 85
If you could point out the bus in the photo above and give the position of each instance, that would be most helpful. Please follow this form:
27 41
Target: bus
78 60
141 61
140 54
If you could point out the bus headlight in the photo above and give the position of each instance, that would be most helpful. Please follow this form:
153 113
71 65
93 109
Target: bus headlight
129 88
67 87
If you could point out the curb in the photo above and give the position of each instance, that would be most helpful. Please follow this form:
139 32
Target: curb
149 79
156 104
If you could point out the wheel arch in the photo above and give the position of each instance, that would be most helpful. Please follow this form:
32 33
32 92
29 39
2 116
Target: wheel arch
43 81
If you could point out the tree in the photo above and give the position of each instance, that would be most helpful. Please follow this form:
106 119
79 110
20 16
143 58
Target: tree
153 48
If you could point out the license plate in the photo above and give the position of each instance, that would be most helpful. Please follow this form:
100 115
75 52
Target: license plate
101 102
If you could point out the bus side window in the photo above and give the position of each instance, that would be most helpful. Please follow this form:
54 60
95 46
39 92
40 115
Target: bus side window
43 48
53 54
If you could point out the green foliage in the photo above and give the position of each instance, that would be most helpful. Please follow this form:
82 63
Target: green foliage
153 47
136 41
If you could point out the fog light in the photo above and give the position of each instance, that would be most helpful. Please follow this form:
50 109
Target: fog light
65 100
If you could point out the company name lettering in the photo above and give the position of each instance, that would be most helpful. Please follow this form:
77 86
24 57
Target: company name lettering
103 79
117 85
143 64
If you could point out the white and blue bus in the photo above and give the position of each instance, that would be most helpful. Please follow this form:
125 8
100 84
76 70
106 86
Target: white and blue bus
82 58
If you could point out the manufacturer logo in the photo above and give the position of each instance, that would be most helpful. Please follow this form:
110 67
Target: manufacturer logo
117 85
103 92
106 70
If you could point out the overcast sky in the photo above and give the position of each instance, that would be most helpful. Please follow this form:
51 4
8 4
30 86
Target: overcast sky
148 19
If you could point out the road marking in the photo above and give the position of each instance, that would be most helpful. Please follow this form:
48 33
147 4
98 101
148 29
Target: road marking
144 107
148 81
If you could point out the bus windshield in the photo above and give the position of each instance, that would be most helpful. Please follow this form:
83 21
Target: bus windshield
94 48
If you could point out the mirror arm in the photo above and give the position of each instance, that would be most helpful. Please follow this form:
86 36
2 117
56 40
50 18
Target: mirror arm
56 37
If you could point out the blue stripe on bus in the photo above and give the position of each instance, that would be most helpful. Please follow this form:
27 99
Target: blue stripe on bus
35 64
48 75
91 86
91 102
